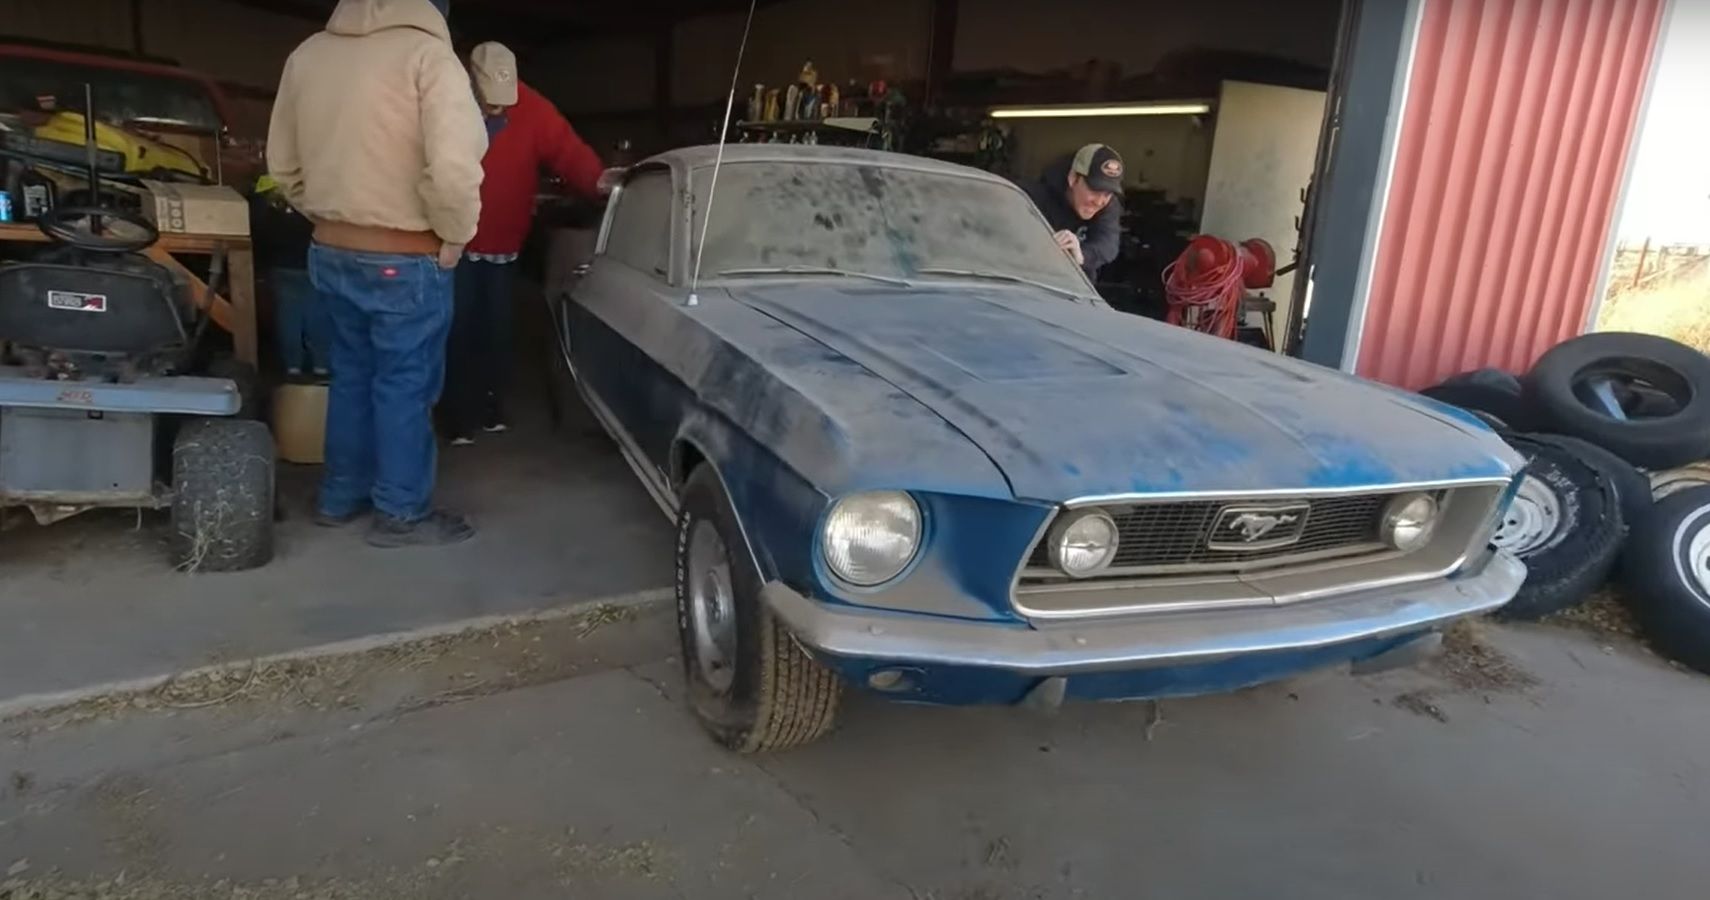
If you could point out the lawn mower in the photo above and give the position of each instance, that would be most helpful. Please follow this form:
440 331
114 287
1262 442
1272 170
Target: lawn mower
103 403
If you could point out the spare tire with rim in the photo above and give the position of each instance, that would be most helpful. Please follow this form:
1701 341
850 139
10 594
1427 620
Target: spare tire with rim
1486 393
1564 523
1602 387
1667 573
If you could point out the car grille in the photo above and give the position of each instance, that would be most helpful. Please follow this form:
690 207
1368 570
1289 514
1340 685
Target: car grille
1178 535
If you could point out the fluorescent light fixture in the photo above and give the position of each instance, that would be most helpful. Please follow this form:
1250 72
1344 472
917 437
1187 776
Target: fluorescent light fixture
1098 110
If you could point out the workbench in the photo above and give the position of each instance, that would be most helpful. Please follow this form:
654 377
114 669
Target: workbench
236 315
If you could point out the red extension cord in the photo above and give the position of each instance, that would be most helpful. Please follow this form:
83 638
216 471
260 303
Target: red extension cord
1205 285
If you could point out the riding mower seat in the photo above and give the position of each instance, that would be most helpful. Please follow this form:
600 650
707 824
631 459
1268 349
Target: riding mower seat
96 345
106 317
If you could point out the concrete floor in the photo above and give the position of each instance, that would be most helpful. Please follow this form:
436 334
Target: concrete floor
93 600
558 761
1590 784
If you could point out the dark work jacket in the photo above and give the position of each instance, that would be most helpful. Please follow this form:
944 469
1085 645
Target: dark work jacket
1101 236
281 234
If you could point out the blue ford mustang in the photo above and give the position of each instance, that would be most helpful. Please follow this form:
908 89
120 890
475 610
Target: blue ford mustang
907 447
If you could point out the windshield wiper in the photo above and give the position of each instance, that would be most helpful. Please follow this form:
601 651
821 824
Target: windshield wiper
817 270
1011 279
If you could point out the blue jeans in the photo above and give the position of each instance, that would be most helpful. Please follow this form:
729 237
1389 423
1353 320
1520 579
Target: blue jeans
481 346
300 319
390 315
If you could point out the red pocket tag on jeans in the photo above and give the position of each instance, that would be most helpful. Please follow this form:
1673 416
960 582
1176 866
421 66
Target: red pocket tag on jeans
389 272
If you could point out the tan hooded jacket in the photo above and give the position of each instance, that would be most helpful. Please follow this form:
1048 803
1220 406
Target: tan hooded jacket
376 130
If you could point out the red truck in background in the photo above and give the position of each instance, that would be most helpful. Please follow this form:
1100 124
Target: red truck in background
152 97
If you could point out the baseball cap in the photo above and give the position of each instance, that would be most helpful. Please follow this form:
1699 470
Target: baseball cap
495 69
1100 166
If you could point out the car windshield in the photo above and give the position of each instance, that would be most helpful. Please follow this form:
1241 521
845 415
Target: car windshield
121 95
832 217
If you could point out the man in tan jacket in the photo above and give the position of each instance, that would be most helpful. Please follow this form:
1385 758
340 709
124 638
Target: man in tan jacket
377 138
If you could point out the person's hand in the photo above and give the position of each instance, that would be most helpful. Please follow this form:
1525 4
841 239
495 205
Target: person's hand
449 254
609 180
1071 245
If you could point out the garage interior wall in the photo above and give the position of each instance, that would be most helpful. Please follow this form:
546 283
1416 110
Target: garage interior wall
225 41
1518 120
1261 165
1169 153
1033 36
605 84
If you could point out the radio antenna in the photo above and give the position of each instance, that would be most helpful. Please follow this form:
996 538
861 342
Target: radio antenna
718 160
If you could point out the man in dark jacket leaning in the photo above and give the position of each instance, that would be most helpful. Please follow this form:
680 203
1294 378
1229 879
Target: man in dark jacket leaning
1078 195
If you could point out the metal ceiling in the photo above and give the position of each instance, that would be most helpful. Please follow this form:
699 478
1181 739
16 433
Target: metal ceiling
540 21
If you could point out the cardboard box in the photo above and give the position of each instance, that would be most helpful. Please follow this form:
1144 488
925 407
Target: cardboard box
197 209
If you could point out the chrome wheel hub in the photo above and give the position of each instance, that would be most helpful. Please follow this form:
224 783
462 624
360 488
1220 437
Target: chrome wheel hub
1531 520
1698 560
712 607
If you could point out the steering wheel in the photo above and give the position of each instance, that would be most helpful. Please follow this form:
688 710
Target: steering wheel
91 228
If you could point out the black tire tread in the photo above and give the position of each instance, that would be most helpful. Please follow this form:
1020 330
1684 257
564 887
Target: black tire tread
1631 486
1572 576
798 696
1652 443
223 495
795 699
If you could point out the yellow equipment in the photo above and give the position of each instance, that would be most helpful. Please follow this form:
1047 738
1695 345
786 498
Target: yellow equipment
142 155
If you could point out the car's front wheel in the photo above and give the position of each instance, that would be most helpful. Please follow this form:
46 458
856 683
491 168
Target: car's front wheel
749 683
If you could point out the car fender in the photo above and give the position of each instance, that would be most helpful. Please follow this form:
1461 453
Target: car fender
773 504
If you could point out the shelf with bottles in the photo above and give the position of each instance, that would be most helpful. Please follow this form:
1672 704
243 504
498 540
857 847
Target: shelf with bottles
810 111
846 131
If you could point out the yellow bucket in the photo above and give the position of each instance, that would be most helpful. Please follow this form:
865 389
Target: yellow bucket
300 422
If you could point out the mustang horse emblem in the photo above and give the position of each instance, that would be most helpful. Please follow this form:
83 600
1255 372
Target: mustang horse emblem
1254 525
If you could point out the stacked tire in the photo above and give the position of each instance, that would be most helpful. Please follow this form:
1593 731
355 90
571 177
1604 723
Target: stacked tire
1615 428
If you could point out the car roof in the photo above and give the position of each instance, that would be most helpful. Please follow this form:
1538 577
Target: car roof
700 157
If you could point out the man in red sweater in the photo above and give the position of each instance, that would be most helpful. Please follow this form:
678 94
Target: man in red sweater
526 135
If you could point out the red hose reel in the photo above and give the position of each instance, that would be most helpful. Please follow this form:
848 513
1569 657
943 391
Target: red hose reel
1206 284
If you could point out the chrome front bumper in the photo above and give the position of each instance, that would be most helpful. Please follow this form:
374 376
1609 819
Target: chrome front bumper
1146 640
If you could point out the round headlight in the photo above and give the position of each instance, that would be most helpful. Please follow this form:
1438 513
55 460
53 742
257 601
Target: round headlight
870 538
1409 520
1083 543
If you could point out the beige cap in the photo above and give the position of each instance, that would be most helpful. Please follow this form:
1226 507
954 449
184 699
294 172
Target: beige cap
495 69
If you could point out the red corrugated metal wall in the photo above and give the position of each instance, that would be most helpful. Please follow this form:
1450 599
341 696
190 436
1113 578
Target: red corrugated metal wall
1518 119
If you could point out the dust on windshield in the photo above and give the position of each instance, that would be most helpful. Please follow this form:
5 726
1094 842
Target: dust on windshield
876 221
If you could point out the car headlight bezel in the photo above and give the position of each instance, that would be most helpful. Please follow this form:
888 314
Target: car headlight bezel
1410 521
1077 526
841 538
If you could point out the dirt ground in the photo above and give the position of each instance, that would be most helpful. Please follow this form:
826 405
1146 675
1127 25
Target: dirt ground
555 759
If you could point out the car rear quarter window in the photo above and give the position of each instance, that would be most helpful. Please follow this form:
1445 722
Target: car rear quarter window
640 234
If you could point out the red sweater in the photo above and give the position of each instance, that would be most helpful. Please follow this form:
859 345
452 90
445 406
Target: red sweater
535 137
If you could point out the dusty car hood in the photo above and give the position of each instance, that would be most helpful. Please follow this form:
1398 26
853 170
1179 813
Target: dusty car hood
1071 400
